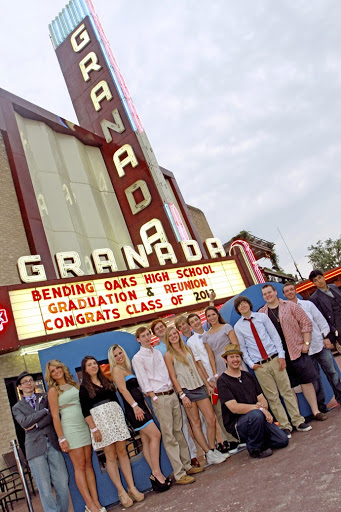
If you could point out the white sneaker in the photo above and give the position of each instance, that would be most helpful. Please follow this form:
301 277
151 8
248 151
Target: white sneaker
224 455
215 457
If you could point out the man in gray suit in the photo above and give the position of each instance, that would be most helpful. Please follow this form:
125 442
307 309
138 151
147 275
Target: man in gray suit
41 444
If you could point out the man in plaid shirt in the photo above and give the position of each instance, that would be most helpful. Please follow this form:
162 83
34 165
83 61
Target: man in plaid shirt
294 327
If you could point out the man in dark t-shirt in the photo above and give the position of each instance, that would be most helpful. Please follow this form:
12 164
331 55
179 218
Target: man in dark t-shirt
245 409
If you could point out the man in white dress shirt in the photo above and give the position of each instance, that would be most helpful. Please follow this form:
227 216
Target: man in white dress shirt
153 378
320 346
263 352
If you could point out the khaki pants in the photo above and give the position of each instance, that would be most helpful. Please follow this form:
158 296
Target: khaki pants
168 413
225 435
274 382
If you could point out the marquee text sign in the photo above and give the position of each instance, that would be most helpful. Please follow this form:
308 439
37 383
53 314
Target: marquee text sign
69 306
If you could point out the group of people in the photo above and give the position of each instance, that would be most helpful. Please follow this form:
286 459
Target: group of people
282 344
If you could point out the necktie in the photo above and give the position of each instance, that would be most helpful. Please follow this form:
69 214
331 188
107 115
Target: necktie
31 400
260 345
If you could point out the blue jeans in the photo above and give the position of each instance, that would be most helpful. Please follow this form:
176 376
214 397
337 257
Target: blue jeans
326 360
258 434
48 468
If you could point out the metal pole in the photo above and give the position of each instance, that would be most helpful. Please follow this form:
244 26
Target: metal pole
14 446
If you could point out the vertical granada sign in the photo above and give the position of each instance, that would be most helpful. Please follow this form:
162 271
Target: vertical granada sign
103 105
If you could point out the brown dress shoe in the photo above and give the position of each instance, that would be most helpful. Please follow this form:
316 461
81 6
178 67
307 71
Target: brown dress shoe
195 462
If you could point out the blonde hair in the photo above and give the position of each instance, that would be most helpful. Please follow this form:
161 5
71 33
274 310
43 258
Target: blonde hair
172 350
111 358
179 319
67 376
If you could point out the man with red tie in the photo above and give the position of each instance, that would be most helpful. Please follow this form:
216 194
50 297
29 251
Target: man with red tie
263 352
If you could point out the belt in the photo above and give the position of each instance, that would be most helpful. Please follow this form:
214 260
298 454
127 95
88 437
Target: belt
101 403
169 392
267 360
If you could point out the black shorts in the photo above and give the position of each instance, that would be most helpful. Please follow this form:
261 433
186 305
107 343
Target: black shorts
301 371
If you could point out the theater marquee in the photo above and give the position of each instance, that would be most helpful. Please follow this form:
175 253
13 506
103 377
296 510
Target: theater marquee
114 301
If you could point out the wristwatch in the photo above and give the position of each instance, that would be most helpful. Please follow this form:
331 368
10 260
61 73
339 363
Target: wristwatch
307 343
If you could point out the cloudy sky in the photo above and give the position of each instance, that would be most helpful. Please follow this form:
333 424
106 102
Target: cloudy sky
240 99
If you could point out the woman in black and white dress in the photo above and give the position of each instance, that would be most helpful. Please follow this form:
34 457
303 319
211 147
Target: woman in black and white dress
108 428
138 414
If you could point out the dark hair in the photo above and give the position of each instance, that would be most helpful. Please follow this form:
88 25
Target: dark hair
315 273
289 283
155 322
86 379
269 285
213 308
241 299
192 315
140 330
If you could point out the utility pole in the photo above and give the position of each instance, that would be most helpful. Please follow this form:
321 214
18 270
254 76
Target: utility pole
296 266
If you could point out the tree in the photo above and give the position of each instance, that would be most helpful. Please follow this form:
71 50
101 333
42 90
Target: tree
325 255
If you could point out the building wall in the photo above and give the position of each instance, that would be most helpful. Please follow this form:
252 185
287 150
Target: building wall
12 232
200 222
76 199
11 365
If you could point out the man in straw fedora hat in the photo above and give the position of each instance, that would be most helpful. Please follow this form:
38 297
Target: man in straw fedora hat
245 409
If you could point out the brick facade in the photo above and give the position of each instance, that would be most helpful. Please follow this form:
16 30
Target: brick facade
200 222
12 232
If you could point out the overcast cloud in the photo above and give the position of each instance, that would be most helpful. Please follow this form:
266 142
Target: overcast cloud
241 100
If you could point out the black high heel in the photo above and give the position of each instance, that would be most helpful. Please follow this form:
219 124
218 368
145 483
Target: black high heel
157 486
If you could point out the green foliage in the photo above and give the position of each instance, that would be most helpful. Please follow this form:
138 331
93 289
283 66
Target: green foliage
242 235
325 255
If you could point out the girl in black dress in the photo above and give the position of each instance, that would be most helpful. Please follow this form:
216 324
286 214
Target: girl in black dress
138 414
108 428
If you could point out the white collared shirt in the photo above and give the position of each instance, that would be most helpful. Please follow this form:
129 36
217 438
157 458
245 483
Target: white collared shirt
197 346
320 325
151 371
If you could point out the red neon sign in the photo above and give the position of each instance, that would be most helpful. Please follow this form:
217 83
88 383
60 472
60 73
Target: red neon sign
3 318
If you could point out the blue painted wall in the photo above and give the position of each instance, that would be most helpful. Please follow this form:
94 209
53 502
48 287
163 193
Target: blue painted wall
71 354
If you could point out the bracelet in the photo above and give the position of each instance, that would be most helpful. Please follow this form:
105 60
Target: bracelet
94 429
216 376
61 439
182 396
208 379
134 404
154 398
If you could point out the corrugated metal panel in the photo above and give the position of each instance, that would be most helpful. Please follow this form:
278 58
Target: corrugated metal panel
67 20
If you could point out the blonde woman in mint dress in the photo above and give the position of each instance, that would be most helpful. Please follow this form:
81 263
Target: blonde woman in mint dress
72 431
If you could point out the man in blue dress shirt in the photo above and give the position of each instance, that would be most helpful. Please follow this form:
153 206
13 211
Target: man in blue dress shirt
263 352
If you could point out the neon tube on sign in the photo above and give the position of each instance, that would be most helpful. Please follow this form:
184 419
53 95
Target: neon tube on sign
250 259
115 67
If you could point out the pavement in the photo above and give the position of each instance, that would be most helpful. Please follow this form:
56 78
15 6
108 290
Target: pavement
305 476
